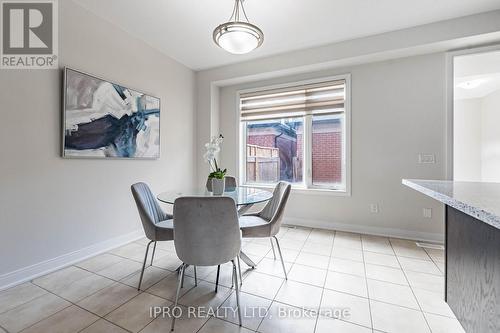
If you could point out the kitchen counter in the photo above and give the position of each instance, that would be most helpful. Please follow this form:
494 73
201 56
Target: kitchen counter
479 200
472 249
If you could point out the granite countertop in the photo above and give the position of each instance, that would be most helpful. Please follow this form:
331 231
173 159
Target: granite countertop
479 200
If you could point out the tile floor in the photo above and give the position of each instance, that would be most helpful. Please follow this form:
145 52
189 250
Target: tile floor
385 285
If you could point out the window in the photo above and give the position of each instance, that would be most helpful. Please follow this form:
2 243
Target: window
296 133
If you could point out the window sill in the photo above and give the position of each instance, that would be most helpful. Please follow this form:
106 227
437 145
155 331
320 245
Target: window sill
307 191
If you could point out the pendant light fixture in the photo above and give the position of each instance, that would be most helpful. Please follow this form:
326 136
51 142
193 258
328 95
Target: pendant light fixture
238 35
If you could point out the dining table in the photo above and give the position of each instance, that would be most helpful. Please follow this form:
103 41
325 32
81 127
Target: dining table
244 198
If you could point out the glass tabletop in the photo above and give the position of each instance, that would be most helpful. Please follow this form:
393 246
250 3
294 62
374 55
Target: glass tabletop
242 195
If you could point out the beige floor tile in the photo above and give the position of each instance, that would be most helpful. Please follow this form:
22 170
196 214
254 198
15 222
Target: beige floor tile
108 299
346 283
61 279
328 325
319 236
103 326
71 319
18 295
300 234
350 243
226 274
166 246
167 287
285 319
387 274
433 302
315 248
308 274
121 269
358 307
135 314
99 262
262 285
272 267
215 325
253 310
254 249
392 293
406 248
381 259
290 243
131 251
313 260
347 266
201 271
204 295
395 319
299 295
425 281
436 255
31 312
346 253
440 324
289 255
151 276
417 265
169 262
187 323
84 287
378 247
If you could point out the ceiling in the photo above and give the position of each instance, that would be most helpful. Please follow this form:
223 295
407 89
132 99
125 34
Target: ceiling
182 29
482 70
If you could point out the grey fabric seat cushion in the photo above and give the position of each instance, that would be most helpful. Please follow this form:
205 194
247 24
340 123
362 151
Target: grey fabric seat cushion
254 226
169 224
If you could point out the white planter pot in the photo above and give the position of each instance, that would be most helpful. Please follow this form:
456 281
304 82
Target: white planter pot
218 186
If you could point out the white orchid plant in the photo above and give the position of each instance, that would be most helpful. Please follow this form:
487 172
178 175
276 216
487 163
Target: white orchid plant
213 147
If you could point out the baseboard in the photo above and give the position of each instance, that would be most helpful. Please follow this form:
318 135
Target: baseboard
28 273
364 229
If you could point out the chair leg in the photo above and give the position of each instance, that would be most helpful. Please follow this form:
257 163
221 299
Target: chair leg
239 270
217 278
153 255
237 288
144 265
272 247
281 257
181 277
195 277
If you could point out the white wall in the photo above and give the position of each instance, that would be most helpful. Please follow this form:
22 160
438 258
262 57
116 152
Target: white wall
51 206
490 138
397 113
467 139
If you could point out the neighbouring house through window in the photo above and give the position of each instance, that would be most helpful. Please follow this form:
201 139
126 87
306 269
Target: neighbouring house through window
296 133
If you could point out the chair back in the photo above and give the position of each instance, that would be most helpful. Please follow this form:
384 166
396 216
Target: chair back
275 208
230 183
149 209
206 230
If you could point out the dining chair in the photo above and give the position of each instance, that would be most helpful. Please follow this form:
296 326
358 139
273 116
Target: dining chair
206 233
158 225
230 183
267 222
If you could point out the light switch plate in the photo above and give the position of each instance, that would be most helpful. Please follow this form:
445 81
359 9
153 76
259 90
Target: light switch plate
374 208
427 212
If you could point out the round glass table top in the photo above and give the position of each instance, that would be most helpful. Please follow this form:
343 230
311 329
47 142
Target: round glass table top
242 195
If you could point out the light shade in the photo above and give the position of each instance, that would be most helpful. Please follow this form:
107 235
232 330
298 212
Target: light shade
238 37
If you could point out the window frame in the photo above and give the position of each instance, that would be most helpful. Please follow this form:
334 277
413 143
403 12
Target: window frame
307 186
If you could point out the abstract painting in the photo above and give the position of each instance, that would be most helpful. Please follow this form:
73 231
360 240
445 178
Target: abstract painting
106 120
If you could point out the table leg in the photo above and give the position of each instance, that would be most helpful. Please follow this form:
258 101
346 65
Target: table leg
247 260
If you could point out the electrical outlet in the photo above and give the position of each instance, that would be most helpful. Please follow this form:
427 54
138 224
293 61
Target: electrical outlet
426 158
374 208
427 212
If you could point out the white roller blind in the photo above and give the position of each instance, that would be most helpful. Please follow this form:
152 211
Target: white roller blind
318 98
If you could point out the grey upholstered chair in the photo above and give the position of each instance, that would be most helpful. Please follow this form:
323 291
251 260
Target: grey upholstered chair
267 222
207 233
230 183
158 225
